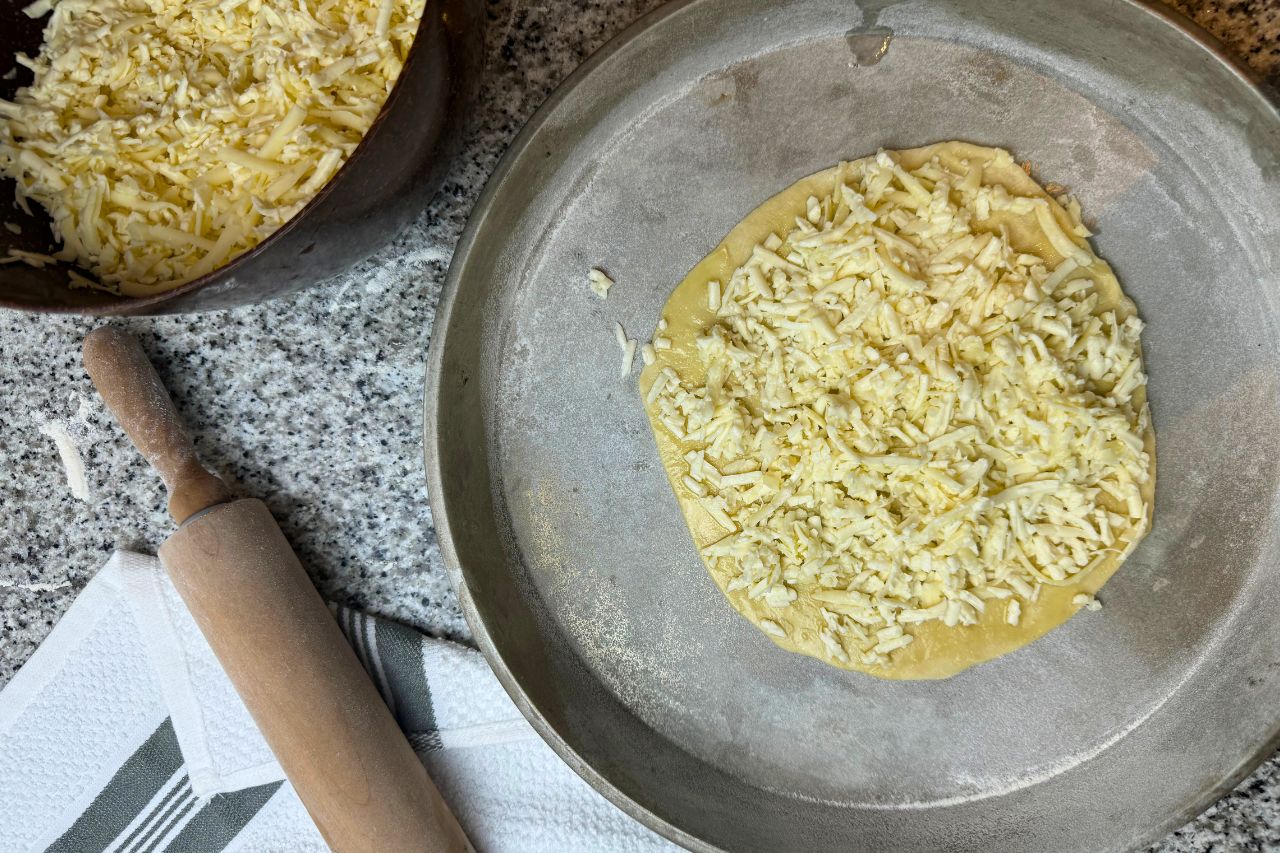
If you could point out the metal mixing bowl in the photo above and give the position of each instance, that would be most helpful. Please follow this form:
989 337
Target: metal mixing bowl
389 178
574 565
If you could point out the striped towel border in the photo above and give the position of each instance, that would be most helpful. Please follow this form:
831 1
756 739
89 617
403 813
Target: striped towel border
148 805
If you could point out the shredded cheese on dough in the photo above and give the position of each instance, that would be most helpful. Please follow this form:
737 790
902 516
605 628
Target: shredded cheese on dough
1088 602
907 415
165 137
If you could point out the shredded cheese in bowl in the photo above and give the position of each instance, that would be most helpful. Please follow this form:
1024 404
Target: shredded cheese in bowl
910 410
165 138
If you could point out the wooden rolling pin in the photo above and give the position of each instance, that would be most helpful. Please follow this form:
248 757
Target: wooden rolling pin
274 636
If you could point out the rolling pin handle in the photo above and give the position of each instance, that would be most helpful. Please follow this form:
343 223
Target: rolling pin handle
132 390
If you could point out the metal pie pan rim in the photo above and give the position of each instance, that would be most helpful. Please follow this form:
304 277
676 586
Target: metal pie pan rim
468 242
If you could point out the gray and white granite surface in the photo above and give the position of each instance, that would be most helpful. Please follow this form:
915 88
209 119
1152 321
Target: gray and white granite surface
314 402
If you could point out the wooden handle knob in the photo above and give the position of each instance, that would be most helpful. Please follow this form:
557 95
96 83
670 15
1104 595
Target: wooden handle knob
133 392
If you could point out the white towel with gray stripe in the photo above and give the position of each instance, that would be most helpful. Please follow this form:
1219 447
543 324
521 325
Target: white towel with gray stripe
122 734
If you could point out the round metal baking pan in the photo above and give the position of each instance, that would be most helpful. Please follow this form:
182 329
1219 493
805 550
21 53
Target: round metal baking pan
570 555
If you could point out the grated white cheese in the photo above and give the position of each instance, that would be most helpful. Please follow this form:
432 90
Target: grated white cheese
34 259
771 627
1088 602
628 348
901 411
164 138
69 453
600 283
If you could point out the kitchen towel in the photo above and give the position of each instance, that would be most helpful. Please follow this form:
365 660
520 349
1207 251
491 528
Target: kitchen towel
122 734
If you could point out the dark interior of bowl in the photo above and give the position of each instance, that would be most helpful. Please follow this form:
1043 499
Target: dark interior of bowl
390 177
22 285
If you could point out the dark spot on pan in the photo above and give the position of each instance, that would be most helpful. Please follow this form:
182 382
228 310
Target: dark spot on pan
993 68
841 89
735 83
745 78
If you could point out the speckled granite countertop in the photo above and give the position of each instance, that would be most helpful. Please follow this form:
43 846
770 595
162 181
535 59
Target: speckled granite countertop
339 462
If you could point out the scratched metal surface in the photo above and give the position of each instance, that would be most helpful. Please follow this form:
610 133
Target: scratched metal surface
571 557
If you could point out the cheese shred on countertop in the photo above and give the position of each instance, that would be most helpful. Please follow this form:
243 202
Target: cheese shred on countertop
904 420
164 138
